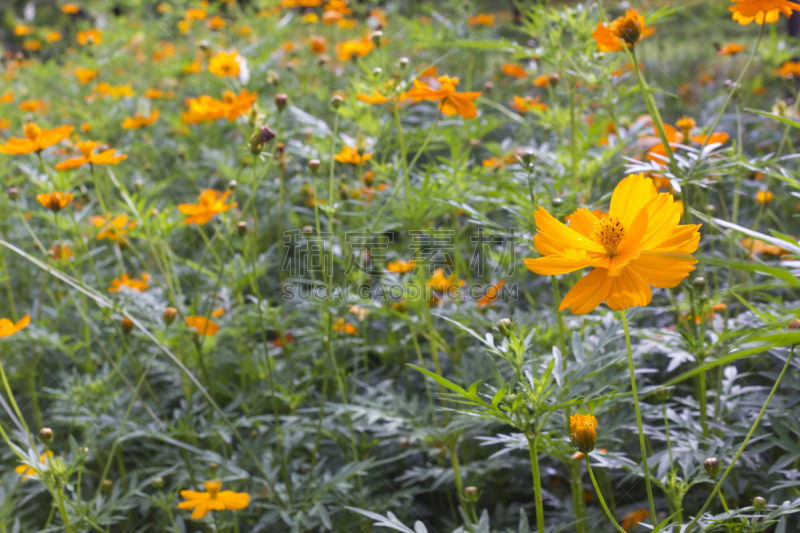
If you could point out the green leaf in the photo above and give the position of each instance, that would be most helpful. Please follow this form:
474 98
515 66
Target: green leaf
773 116
442 381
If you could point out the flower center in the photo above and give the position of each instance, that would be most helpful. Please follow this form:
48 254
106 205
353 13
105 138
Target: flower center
608 233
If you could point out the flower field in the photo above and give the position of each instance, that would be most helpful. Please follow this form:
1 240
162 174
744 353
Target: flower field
464 267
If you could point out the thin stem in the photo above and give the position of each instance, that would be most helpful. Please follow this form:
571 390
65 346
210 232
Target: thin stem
600 495
744 443
537 483
639 419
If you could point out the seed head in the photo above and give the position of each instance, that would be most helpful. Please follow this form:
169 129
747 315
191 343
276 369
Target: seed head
280 101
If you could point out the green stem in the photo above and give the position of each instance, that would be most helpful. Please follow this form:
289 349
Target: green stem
537 483
744 444
638 419
600 496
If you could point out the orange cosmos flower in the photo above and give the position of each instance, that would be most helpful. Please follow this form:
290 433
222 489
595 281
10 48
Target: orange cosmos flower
514 70
318 44
353 49
658 153
138 121
201 326
70 9
542 80
640 243
450 102
631 29
8 328
93 36
746 11
33 105
36 139
632 519
154 94
481 20
401 267
21 30
53 36
492 293
211 204
583 432
138 285
7 97
213 500
115 229
206 108
216 22
59 252
28 472
85 75
195 14
117 92
55 201
526 104
376 98
731 49
106 157
225 64
760 247
352 157
32 45
789 69
5 124
344 327
764 197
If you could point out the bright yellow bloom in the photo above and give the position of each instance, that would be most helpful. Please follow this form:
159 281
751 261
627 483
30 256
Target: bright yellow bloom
352 49
133 284
640 243
21 30
195 14
450 102
310 18
344 327
70 9
746 11
55 201
32 45
213 500
93 36
29 473
106 157
352 157
216 22
85 75
36 139
53 36
138 121
764 197
583 432
115 229
201 326
686 124
8 328
211 204
224 64
401 267
117 92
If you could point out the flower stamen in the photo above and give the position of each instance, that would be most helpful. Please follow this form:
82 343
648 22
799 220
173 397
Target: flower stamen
608 233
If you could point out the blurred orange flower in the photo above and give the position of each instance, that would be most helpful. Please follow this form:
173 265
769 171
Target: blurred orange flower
731 49
201 325
514 70
93 36
450 102
8 328
350 156
36 139
527 103
481 20
344 327
225 64
85 75
211 203
55 201
115 229
70 9
138 121
106 157
352 49
746 11
401 267
138 285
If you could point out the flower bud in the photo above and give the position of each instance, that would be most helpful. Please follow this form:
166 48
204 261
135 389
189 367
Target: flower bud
158 482
233 184
488 87
13 193
526 156
213 467
266 133
127 324
138 184
554 79
241 228
377 71
759 503
255 143
699 283
794 324
402 63
711 466
377 37
337 101
169 315
46 435
557 202
663 394
314 165
583 432
471 494
629 29
505 326
107 486
280 101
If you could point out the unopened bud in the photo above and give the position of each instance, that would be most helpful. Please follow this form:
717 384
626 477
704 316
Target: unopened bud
127 324
233 184
255 143
138 184
241 228
526 156
314 165
158 482
794 324
266 133
377 71
663 394
13 193
711 466
169 315
280 101
107 485
213 467
474 143
46 435
699 283
505 326
554 78
402 63
488 87
337 101
471 494
377 37
759 503
557 202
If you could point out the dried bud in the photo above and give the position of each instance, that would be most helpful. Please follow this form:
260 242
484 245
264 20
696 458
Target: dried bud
759 503
308 230
255 143
711 466
241 228
663 394
488 87
280 101
46 435
699 283
377 37
169 315
628 29
127 324
13 193
266 134
233 184
505 326
324 59
554 79
337 101
471 494
314 165
794 324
